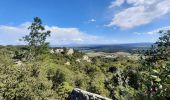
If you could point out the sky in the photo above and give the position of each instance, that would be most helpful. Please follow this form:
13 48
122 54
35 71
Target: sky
85 21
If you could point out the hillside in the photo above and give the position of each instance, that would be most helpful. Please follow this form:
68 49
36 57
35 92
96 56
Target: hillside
37 71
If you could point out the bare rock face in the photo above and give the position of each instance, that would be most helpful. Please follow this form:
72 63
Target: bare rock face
78 94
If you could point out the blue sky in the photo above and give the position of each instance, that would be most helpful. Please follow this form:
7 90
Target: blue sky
86 21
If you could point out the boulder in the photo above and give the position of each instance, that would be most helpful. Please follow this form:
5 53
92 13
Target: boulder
78 94
67 63
86 58
52 51
59 50
78 60
70 51
18 63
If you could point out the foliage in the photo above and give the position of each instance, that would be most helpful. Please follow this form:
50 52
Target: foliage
156 68
37 38
47 76
20 82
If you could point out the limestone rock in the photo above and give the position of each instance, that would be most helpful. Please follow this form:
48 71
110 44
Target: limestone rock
86 58
78 60
67 63
59 50
18 63
70 51
78 94
52 51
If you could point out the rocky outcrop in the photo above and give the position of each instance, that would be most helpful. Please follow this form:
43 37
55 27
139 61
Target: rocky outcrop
78 60
78 94
86 58
67 63
59 50
18 63
70 51
52 51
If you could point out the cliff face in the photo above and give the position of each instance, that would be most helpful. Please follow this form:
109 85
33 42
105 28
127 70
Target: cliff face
78 94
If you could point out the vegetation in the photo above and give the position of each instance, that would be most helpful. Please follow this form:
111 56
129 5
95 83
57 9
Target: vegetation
32 72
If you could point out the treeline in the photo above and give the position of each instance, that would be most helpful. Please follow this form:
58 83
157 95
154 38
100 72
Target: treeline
31 72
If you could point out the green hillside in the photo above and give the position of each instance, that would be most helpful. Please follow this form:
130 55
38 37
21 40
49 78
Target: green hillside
37 72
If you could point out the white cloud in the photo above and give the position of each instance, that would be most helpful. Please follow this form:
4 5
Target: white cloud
69 36
91 21
155 31
141 2
10 29
116 3
11 35
59 36
158 30
140 12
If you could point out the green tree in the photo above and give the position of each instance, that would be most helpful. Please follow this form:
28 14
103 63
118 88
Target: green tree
36 39
19 83
156 68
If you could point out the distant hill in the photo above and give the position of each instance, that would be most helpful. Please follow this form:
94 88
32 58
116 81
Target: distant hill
108 48
130 47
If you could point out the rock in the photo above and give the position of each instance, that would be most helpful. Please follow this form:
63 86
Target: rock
1 98
59 50
52 51
86 58
67 63
70 51
78 94
18 63
78 60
